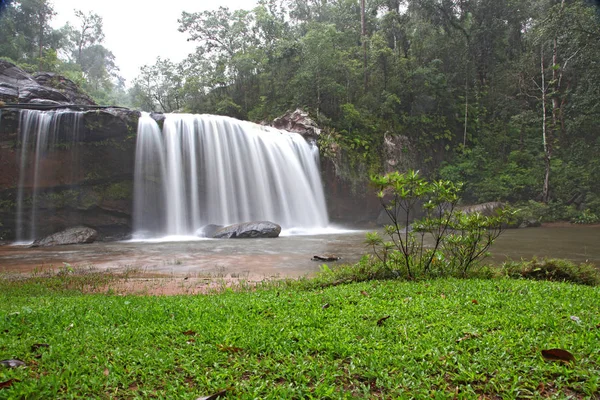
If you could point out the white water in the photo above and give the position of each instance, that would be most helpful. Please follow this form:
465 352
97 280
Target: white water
206 169
40 133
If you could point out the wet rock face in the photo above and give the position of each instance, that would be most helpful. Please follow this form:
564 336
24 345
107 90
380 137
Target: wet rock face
47 88
299 122
67 87
259 229
76 235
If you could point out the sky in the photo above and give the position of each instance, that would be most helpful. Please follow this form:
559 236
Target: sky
139 31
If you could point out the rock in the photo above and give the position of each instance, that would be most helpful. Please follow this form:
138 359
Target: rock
259 229
530 223
76 235
208 230
326 257
298 122
398 153
14 76
66 86
8 93
109 123
32 92
486 209
44 88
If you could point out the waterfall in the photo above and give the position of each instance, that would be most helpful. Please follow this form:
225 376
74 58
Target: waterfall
41 133
206 169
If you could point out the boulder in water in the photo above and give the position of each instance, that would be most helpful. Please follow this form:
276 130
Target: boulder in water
208 230
75 235
258 229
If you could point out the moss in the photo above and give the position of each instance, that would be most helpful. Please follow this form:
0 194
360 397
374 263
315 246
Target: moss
65 198
7 205
118 191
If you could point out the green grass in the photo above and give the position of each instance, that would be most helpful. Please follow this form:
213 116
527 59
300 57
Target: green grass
295 343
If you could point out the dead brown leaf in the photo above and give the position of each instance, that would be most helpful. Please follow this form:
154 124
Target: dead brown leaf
326 305
106 372
8 383
467 336
229 349
474 301
382 320
189 333
364 293
558 355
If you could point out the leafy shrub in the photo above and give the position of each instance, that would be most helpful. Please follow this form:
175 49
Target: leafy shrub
586 217
460 240
553 270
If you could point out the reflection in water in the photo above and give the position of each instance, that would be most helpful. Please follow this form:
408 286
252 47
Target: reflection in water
283 256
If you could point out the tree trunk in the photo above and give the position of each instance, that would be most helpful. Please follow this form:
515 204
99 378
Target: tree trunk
364 40
41 42
547 147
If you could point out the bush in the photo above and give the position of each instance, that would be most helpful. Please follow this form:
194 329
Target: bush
586 217
553 270
460 240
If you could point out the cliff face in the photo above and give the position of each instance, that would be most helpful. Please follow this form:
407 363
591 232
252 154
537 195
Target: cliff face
89 182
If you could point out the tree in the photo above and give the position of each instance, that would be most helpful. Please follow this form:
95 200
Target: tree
25 31
159 86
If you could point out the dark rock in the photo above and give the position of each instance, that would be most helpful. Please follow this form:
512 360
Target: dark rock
109 123
259 229
45 88
8 93
31 92
66 86
326 257
208 230
76 235
299 122
530 223
15 76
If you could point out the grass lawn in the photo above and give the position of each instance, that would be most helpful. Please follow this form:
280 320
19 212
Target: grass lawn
444 338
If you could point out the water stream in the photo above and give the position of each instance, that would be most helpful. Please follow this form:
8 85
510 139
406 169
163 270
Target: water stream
283 256
40 134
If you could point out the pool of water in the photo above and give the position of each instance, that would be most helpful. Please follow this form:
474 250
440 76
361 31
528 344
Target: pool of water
283 256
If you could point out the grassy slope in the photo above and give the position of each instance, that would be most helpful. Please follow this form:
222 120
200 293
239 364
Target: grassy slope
282 343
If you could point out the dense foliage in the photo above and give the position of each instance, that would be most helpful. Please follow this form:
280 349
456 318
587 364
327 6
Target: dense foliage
501 95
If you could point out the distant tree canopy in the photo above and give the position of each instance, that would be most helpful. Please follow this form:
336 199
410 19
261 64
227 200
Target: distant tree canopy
28 39
500 94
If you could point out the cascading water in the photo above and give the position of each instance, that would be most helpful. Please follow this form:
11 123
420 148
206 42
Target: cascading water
206 169
40 134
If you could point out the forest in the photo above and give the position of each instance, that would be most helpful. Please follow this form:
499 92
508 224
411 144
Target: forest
501 95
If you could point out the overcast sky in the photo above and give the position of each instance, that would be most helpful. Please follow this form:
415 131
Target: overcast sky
139 31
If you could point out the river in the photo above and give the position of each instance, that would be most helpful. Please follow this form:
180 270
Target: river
288 256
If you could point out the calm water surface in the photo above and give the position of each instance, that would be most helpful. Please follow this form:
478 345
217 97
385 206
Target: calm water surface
284 256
